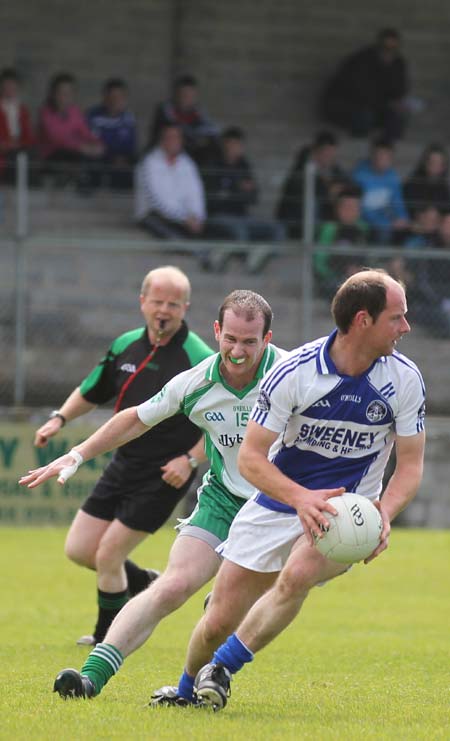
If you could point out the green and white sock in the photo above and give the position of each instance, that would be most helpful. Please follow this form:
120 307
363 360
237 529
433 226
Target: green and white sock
101 664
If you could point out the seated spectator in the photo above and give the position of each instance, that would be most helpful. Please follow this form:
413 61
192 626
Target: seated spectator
383 207
330 179
115 125
199 132
428 183
368 91
440 269
347 228
230 190
66 143
16 132
423 229
169 196
422 276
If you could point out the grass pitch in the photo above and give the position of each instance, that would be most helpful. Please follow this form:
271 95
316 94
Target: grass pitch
368 658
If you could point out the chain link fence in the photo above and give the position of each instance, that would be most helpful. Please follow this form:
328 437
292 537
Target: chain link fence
71 269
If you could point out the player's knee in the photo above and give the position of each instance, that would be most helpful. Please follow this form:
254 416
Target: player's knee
108 559
74 552
217 625
171 590
291 584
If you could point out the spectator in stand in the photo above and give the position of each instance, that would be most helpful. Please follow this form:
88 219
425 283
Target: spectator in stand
347 228
115 125
199 131
16 132
440 269
383 207
170 200
420 276
230 190
330 180
428 183
368 92
66 144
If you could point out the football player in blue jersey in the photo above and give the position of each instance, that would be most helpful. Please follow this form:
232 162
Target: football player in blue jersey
334 408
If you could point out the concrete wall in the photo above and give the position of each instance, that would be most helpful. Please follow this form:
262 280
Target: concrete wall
261 63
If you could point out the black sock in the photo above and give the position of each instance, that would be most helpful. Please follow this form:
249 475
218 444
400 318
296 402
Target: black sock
138 579
109 605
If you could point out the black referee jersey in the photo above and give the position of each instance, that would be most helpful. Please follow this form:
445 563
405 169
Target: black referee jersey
171 437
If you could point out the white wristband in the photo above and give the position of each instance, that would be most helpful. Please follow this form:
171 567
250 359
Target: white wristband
69 471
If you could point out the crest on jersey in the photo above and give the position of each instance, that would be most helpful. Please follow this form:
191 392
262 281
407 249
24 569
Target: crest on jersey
421 412
376 411
263 402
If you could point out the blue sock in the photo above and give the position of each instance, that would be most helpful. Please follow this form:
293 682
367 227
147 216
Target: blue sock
233 654
186 687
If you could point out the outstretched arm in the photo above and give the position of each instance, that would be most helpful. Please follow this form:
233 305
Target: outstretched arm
120 429
256 468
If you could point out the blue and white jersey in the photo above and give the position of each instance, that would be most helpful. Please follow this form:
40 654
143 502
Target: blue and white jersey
337 430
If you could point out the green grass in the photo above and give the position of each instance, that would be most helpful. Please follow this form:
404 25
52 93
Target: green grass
367 659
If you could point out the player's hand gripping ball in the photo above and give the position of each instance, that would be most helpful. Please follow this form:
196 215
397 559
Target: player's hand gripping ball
354 532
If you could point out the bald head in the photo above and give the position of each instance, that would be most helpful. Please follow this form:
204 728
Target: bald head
366 290
168 275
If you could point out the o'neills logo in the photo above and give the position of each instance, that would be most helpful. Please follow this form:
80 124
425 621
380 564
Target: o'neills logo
263 402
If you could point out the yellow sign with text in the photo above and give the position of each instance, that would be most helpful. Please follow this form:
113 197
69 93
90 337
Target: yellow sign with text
50 503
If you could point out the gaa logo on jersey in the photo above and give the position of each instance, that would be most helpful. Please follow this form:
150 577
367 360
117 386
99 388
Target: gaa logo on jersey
263 402
376 411
214 417
421 412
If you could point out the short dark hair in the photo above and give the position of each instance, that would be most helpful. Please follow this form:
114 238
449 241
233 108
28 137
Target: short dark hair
388 33
185 81
114 82
9 73
357 293
233 132
325 139
169 125
382 142
248 303
349 191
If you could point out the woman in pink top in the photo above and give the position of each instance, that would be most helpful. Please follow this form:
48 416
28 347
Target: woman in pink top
65 141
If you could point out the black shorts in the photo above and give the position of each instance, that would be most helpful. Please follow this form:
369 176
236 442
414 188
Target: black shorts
139 499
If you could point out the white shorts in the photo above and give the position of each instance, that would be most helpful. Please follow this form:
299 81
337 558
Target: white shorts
261 539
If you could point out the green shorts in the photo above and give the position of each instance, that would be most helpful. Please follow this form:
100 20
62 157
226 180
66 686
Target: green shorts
215 511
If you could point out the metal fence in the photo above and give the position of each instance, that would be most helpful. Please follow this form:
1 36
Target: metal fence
66 293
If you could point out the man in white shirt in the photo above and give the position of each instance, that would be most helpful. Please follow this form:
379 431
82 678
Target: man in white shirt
169 195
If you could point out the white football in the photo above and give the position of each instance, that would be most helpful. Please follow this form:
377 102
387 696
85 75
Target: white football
354 532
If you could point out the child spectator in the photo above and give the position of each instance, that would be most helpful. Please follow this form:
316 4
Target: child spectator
383 207
330 179
347 228
16 133
422 276
200 133
170 201
66 143
115 125
428 183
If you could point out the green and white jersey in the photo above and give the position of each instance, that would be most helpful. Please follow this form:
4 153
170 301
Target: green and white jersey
221 411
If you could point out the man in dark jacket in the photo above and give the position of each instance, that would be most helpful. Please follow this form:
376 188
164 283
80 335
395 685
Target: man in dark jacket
368 90
329 181
231 189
